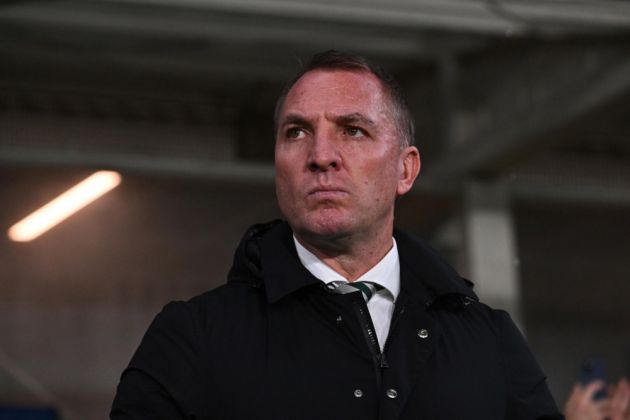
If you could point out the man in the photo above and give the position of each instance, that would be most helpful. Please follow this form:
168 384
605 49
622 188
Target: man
333 314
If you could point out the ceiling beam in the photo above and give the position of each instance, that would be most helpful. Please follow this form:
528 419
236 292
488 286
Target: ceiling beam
526 103
483 17
235 171
497 17
523 187
571 193
452 14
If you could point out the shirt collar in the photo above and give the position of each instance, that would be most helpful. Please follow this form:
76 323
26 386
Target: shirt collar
385 273
267 254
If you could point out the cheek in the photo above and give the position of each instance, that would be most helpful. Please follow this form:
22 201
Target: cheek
384 185
287 161
283 188
287 181
282 161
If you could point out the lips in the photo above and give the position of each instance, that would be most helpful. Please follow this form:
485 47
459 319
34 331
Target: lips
327 193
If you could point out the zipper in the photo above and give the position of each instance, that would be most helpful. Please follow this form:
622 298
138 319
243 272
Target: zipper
369 333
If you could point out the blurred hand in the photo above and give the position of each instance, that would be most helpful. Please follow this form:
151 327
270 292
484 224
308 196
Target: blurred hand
581 406
620 400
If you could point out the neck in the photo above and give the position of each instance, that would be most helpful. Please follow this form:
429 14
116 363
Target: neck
350 257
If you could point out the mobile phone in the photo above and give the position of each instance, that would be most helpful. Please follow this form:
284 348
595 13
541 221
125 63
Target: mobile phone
594 369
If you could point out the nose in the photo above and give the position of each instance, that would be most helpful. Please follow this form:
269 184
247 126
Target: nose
324 154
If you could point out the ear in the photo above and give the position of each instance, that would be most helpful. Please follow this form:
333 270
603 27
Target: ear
410 168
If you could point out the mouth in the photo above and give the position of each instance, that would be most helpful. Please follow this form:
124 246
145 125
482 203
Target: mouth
326 193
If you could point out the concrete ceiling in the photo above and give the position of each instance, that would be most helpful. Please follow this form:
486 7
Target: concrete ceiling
495 84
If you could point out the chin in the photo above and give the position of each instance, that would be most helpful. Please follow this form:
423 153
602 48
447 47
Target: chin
324 226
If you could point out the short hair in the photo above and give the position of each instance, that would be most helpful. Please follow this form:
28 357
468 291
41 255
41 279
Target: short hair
338 60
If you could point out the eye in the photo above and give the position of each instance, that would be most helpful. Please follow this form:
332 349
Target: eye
295 133
354 131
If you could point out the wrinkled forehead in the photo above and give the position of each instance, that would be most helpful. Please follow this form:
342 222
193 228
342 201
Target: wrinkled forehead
336 91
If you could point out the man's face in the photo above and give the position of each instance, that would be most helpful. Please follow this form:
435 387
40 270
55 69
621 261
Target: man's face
339 160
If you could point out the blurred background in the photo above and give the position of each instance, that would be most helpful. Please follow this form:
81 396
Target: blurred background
522 109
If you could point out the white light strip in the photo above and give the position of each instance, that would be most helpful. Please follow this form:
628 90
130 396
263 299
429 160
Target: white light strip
64 206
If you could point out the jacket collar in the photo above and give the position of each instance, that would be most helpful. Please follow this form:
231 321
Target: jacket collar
266 256
283 273
426 276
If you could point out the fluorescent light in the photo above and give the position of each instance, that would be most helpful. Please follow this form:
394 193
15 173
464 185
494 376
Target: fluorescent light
64 206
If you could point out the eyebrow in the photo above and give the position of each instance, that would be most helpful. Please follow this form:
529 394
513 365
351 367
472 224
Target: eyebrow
295 119
354 118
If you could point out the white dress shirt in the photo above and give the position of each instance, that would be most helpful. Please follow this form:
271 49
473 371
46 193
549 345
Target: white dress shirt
386 273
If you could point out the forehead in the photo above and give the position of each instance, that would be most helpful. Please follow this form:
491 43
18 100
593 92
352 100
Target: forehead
336 91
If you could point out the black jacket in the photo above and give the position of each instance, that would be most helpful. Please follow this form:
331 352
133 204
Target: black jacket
274 343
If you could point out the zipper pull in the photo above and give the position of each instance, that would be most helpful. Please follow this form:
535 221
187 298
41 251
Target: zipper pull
383 361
